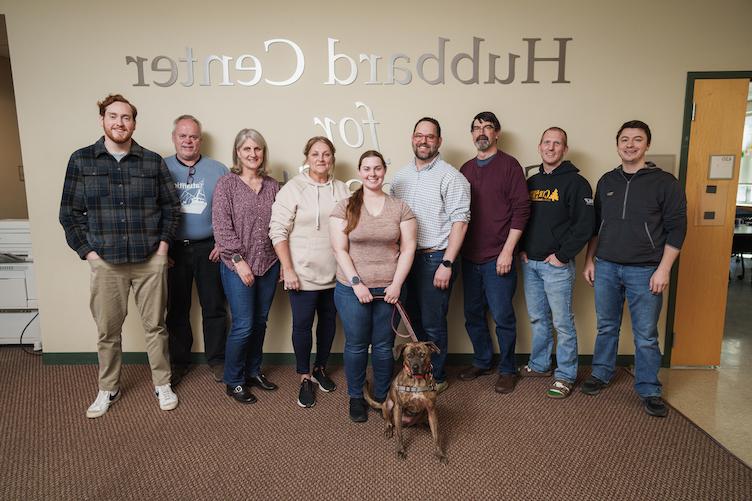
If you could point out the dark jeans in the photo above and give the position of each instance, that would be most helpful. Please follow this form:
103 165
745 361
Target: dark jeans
250 309
305 305
192 263
485 290
366 325
427 306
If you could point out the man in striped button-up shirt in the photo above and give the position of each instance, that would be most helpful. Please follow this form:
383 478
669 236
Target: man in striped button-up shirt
119 211
439 196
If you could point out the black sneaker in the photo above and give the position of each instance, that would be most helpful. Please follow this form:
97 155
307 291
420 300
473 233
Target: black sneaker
592 386
321 378
358 410
655 406
177 373
306 397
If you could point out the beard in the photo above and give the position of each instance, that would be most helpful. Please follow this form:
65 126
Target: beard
427 155
118 139
482 143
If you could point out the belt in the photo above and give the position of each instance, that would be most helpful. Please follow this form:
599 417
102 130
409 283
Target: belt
429 251
186 243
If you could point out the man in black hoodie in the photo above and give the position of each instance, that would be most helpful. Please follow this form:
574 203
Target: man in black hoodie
561 223
641 216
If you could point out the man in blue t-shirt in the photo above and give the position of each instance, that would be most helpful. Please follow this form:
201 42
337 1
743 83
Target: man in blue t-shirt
194 254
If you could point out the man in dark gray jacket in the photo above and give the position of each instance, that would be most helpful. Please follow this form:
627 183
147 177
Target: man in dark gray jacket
641 216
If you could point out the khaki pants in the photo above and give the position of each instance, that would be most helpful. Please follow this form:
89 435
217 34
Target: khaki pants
110 286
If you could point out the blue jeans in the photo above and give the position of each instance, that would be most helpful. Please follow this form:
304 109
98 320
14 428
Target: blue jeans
612 283
486 290
249 307
366 324
428 306
548 293
305 305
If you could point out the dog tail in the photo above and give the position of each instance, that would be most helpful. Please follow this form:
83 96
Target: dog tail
369 398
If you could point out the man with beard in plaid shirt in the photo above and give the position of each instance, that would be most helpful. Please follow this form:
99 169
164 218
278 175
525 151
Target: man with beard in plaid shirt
119 211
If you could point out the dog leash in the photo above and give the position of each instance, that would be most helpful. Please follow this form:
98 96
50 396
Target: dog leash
410 335
405 319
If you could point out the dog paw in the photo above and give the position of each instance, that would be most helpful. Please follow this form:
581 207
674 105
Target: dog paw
402 455
389 432
442 458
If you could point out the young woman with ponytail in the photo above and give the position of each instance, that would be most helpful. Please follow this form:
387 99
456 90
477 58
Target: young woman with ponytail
373 236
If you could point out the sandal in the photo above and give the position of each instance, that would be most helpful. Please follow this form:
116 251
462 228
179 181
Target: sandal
560 389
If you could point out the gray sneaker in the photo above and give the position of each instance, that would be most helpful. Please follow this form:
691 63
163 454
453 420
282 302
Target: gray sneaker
527 371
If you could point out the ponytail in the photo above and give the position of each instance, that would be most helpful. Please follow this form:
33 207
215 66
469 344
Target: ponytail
352 213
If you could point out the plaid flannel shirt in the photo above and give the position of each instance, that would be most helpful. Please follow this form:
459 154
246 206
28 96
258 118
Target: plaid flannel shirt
120 210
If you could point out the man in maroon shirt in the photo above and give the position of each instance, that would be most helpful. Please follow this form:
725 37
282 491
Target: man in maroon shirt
499 209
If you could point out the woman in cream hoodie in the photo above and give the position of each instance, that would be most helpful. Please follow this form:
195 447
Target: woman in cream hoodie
299 230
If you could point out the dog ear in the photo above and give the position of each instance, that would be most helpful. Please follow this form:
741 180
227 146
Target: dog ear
432 347
398 350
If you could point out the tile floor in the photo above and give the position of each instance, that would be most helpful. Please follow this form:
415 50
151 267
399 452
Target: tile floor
720 400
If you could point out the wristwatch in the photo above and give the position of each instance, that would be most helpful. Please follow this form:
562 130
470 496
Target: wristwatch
446 263
236 258
355 280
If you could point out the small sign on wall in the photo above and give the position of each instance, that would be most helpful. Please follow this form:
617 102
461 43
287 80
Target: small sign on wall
721 167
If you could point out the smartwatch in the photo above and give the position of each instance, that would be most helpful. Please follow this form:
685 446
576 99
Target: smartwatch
236 258
355 280
446 263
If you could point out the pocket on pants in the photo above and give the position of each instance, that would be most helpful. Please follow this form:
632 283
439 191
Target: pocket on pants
159 259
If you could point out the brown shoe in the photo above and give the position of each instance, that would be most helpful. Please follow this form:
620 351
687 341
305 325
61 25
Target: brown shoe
505 383
218 372
472 372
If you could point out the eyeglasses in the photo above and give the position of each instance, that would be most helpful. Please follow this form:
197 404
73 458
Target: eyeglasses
428 137
191 173
485 128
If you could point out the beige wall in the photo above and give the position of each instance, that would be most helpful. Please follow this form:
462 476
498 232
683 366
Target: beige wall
12 189
625 61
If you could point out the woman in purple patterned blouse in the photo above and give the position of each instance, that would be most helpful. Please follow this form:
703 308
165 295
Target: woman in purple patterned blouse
241 210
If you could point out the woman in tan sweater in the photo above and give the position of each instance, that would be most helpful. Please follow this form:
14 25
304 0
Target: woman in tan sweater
299 230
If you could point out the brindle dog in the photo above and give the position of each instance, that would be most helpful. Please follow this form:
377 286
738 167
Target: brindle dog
412 396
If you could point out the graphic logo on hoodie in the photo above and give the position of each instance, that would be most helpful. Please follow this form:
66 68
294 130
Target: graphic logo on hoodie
544 195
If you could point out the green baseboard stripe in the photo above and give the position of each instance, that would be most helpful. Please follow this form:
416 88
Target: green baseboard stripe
455 359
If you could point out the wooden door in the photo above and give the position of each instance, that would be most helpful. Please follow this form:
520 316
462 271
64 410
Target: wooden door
702 286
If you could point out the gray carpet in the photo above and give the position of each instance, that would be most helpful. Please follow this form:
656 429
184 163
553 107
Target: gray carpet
518 446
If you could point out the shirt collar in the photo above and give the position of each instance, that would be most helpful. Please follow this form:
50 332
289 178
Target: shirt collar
99 149
430 166
188 166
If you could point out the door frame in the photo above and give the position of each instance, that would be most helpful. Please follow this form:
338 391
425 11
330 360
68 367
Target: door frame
683 159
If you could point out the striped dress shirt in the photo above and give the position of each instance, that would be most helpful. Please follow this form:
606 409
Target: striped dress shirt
438 195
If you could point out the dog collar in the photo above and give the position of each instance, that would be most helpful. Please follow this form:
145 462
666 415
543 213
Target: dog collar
415 389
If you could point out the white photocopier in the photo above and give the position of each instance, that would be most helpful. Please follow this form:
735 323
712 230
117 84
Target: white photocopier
18 294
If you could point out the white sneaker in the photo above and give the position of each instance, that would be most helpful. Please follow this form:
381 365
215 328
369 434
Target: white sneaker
102 403
167 398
